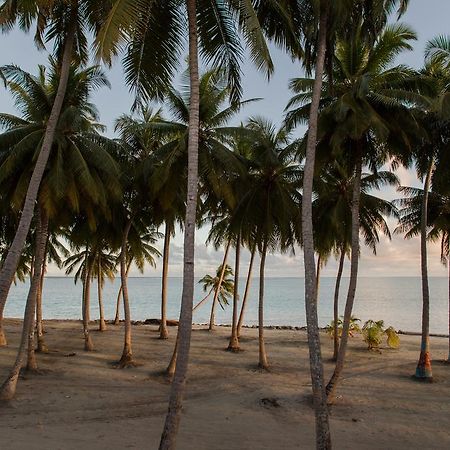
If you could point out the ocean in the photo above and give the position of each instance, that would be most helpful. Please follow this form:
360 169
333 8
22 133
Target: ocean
397 301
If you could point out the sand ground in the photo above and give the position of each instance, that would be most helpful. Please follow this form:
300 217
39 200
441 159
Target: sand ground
81 402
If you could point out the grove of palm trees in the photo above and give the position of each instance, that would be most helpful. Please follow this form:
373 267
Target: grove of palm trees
262 329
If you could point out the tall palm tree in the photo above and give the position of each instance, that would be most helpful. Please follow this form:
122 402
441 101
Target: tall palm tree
267 214
363 116
332 216
66 27
80 173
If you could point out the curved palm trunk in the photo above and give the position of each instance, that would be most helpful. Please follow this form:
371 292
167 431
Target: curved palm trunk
88 345
127 355
102 324
119 295
247 290
217 291
203 300
171 425
336 305
263 364
8 389
234 341
12 258
163 331
41 346
423 369
332 384
323 437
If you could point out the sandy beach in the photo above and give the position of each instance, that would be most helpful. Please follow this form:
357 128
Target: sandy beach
80 401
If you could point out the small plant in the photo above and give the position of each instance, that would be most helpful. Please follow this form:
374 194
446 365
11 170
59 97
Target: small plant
353 328
373 333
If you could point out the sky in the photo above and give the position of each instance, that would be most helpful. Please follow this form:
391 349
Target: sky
398 257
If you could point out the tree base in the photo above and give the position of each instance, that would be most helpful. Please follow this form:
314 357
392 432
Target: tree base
3 341
422 379
41 347
126 362
263 367
163 334
8 388
234 349
88 345
102 327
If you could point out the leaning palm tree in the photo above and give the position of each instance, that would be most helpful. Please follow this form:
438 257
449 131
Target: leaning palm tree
223 285
80 174
66 27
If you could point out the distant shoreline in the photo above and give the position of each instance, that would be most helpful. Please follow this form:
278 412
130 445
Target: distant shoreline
222 325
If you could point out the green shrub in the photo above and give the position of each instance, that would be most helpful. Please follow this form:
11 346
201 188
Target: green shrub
373 333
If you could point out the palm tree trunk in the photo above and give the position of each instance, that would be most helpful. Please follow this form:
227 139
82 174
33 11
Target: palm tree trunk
163 331
88 345
234 341
119 295
323 437
8 389
318 268
171 425
336 305
246 292
217 291
41 346
127 355
203 300
263 364
332 384
12 258
102 324
423 369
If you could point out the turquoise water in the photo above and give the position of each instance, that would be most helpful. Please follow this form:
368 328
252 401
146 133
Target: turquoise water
395 300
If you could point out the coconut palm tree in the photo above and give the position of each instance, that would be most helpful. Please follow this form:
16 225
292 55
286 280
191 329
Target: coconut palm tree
65 26
150 62
365 113
80 174
224 287
332 215
267 214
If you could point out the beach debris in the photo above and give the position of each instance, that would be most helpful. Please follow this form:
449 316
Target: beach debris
270 402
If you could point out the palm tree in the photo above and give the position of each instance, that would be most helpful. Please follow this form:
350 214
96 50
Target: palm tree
332 216
364 117
80 173
65 25
224 285
268 212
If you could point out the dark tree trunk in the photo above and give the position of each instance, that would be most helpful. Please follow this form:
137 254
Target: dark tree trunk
119 295
171 425
234 341
163 331
12 259
8 389
448 268
127 355
102 324
323 437
263 363
423 369
333 383
217 291
88 345
41 346
246 292
336 305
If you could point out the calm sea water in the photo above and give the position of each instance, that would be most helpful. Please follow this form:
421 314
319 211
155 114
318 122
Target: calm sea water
397 301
